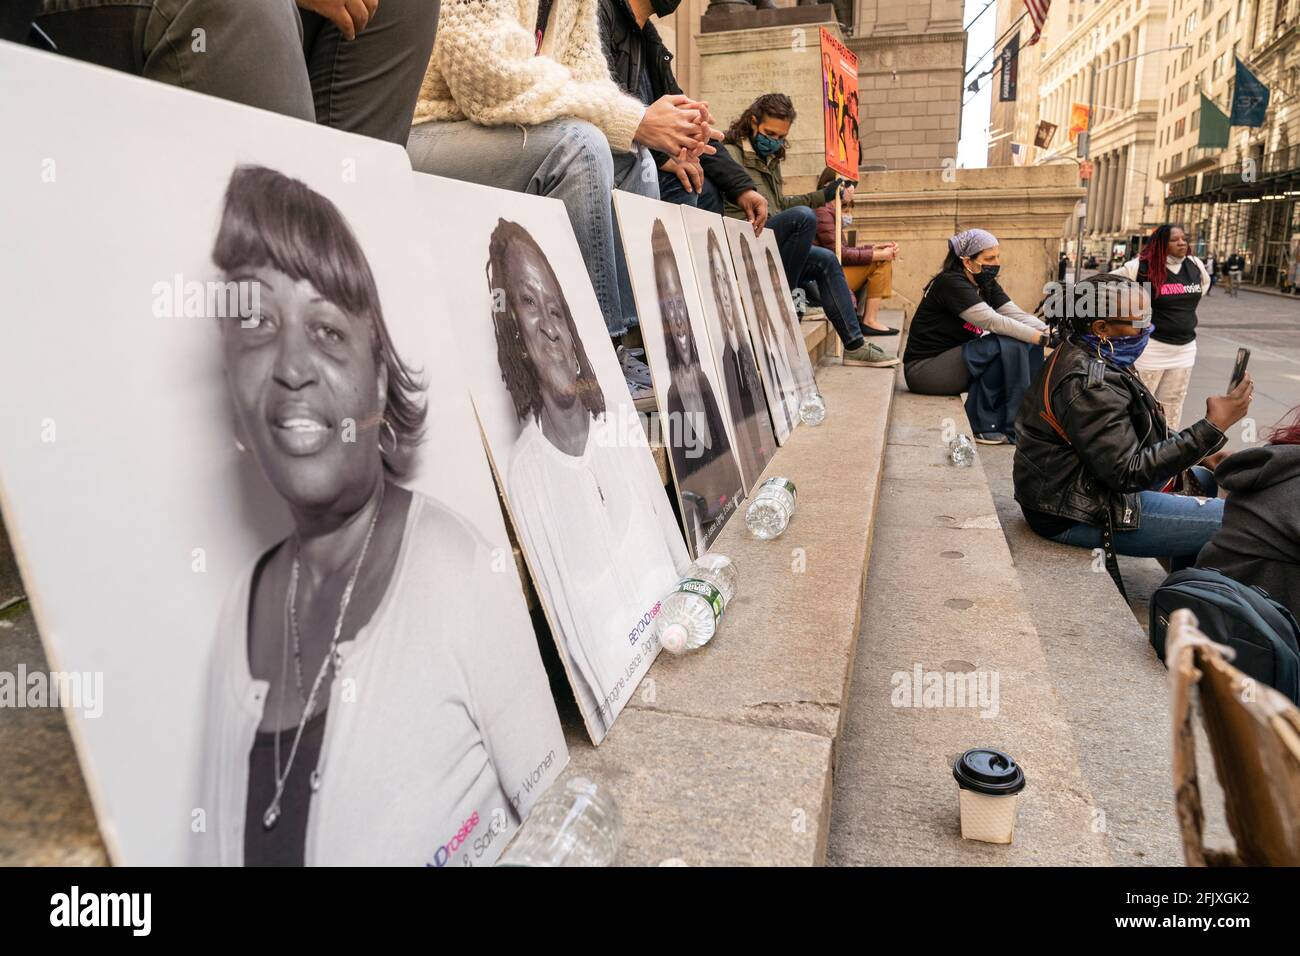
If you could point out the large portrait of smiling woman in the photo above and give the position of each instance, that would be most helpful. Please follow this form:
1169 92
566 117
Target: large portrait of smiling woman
271 530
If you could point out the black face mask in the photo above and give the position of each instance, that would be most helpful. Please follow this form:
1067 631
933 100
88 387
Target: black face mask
986 275
664 8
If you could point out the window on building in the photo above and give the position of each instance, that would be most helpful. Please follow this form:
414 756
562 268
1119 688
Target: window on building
1196 119
1203 47
1200 80
1221 30
1206 8
1216 68
1182 94
1191 22
1175 162
1187 59
1180 128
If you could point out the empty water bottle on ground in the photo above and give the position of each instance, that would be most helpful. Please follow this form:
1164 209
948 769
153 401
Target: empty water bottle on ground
577 824
961 451
688 617
812 410
770 511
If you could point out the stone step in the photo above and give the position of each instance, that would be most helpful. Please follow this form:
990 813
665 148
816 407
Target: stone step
944 597
726 754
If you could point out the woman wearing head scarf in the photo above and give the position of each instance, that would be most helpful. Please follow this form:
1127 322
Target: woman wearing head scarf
352 716
1177 281
968 336
1093 453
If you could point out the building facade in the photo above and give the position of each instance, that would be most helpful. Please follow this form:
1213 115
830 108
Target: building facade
1244 197
911 62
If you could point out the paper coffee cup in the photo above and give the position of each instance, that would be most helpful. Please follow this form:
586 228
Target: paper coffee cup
990 783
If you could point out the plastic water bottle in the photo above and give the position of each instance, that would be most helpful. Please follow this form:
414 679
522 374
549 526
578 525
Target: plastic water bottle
770 511
961 451
688 617
577 824
812 410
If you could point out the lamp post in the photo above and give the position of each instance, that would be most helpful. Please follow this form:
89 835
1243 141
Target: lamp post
1085 149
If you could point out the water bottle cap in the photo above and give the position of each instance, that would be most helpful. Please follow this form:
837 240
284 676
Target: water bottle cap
673 638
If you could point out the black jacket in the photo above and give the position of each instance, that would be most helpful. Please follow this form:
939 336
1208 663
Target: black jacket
627 46
1108 441
1259 541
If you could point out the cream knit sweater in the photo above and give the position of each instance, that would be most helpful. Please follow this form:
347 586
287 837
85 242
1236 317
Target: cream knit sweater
484 69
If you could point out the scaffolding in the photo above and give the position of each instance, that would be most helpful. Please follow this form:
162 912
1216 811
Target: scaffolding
1251 207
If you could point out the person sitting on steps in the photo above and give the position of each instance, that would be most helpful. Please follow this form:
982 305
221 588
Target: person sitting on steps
1093 452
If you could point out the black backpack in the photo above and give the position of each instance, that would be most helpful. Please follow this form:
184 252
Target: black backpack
1262 632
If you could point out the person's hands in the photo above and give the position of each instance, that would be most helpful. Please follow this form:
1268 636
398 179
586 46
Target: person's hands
688 171
350 16
847 195
1224 411
883 253
674 123
755 207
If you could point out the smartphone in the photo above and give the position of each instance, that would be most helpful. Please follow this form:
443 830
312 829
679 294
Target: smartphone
1239 368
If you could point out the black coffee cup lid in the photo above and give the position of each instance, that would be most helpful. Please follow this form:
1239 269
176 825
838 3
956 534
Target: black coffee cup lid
989 772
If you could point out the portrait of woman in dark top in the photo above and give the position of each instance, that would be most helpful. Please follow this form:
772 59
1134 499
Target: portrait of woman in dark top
780 389
753 427
703 462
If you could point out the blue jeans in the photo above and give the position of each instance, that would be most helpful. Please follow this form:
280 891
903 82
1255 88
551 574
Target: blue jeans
1001 369
795 229
1173 526
823 276
568 159
672 190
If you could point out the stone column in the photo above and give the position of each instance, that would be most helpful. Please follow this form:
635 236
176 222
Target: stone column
1121 194
1098 211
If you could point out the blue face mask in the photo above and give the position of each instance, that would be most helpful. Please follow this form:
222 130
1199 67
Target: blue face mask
1123 351
765 145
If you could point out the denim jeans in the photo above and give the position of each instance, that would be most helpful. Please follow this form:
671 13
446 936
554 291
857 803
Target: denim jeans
824 276
1173 526
795 229
1001 369
262 53
672 190
568 159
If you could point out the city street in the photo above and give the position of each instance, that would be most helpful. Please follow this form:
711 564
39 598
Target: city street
1268 325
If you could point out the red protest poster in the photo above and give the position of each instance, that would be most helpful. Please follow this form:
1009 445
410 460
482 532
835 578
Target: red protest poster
840 105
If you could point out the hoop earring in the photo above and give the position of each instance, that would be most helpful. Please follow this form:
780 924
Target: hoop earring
239 445
385 423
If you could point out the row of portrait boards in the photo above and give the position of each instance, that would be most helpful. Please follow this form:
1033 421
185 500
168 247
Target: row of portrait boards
251 370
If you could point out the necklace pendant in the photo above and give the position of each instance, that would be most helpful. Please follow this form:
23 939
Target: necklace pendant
271 817
315 780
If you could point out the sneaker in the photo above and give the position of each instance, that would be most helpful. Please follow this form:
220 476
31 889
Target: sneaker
992 438
635 371
870 355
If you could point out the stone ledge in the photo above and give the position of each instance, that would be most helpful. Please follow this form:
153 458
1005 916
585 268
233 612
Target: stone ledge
784 653
711 793
968 615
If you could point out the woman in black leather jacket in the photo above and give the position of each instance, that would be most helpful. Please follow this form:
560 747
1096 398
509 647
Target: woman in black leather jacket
1092 448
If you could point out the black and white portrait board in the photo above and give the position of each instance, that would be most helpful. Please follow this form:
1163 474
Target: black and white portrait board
796 351
770 340
593 520
724 317
245 487
692 423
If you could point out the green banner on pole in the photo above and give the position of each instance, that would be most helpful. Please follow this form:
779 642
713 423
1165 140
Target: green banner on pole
1214 125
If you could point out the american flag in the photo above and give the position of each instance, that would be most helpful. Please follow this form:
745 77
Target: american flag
1037 14
1018 154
